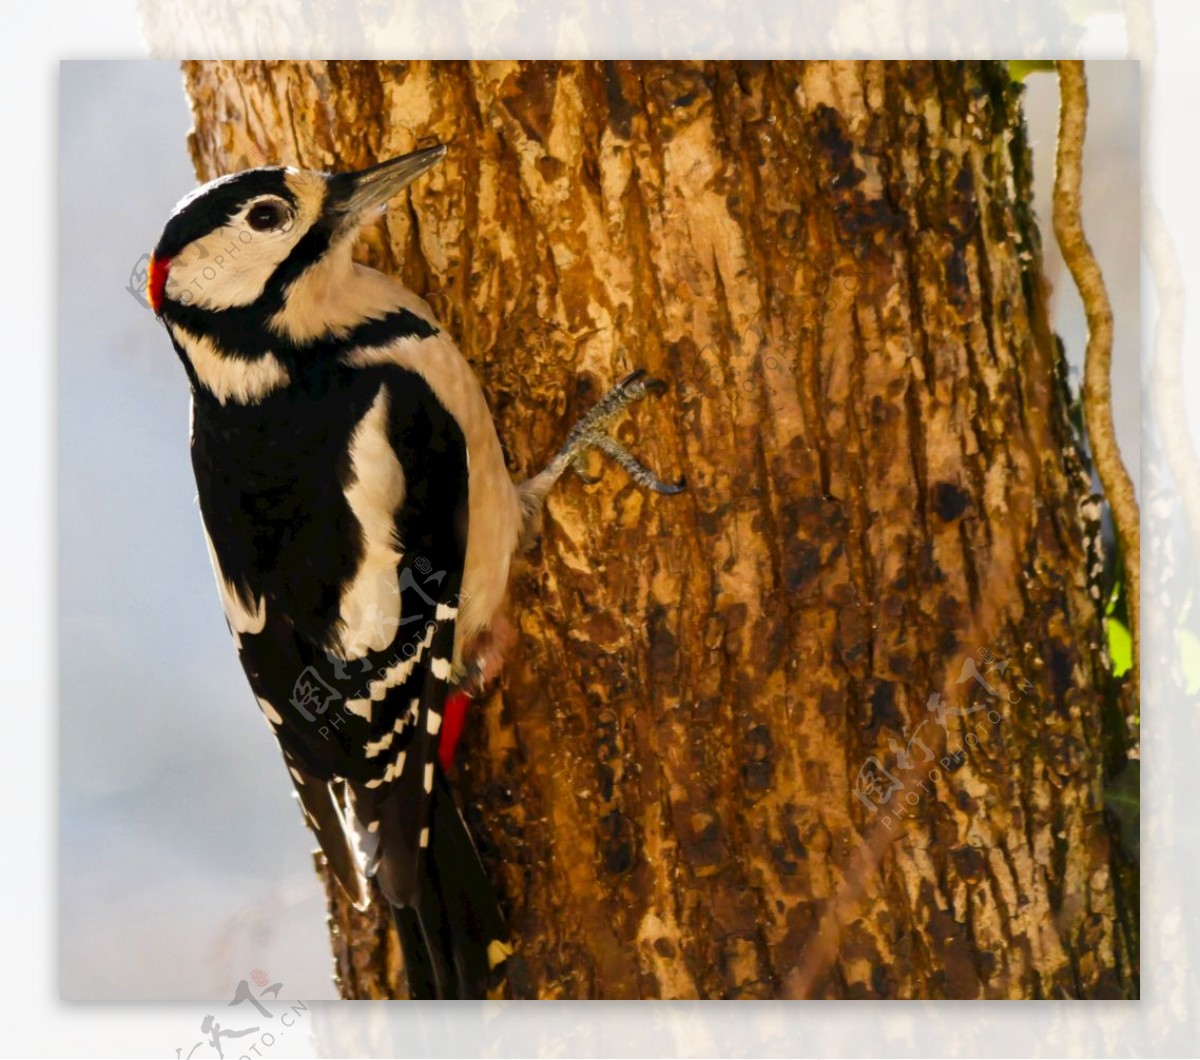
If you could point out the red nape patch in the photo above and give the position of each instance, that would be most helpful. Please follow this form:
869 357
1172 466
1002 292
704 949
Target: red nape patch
454 717
156 281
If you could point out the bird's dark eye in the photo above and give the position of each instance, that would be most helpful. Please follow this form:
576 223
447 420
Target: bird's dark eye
265 215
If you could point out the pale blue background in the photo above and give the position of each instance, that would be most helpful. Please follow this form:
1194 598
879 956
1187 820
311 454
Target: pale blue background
183 859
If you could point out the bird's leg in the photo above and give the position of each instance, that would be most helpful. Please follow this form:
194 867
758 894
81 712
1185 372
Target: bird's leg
591 433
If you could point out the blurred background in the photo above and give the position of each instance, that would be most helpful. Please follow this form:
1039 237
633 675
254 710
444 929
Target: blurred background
183 861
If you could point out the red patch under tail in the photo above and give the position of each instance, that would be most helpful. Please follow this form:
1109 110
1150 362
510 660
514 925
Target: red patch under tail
454 717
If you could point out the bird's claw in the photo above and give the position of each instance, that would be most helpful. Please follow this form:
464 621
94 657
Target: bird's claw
639 384
579 466
590 433
641 474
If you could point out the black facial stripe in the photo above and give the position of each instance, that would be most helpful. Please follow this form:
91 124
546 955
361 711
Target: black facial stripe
308 251
243 331
314 243
240 331
219 202
399 324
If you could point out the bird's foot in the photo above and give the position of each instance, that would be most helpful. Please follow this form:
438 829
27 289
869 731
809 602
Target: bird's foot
591 432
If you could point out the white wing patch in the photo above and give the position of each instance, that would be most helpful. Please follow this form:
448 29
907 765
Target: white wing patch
494 519
370 604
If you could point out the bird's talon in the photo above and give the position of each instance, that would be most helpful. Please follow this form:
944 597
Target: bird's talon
591 433
579 464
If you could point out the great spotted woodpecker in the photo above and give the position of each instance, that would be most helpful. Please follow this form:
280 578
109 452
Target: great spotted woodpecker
361 523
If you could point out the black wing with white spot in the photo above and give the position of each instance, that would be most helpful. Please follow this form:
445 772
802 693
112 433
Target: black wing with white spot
345 623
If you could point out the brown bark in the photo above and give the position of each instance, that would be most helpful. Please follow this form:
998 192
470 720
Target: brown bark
834 267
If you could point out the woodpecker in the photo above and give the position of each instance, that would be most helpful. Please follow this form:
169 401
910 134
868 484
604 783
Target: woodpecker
361 523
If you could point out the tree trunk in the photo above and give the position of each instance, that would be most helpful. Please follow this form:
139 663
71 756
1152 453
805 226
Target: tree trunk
836 721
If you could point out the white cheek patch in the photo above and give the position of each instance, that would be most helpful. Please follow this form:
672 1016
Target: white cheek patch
228 267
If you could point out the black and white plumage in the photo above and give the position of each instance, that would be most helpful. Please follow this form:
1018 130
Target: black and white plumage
361 523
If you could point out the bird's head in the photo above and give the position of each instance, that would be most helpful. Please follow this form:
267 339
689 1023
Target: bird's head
245 241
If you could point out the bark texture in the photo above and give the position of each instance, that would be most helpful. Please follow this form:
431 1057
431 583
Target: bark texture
834 267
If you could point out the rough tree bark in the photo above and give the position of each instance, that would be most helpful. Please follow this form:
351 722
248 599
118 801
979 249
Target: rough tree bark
835 268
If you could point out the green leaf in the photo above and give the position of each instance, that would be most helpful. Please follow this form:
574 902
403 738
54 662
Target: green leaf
1118 605
1120 646
1019 69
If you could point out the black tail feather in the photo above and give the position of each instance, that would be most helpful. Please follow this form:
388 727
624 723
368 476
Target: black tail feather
424 961
454 932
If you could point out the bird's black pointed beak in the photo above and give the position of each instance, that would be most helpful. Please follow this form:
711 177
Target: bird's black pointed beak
356 194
